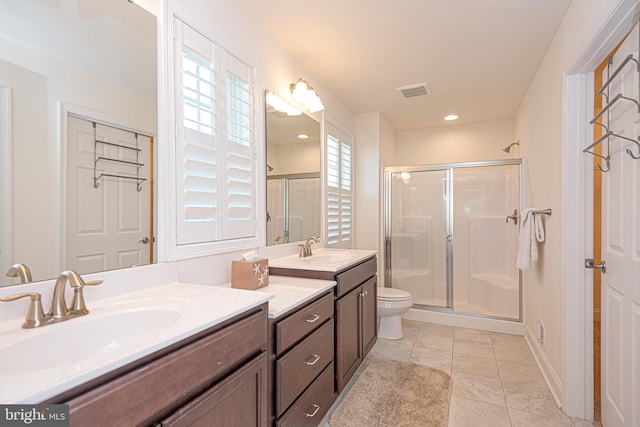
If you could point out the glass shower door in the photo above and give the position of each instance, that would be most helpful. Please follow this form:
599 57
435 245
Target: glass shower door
416 235
447 240
486 280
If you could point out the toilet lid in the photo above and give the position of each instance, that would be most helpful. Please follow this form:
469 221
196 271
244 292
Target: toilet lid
385 293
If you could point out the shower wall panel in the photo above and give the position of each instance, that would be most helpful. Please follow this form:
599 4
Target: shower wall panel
485 277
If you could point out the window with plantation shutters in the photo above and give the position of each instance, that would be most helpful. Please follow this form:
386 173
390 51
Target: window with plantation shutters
215 156
339 187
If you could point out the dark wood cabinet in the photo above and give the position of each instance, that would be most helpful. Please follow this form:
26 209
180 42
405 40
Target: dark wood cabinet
238 401
216 377
348 354
355 313
300 366
301 377
355 330
369 305
312 405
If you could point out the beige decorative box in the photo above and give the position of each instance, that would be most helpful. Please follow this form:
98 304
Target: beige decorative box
250 274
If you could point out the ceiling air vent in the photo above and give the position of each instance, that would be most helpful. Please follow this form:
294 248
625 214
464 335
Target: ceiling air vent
419 89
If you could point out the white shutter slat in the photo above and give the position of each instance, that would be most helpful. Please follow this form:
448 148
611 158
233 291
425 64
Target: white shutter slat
339 185
215 146
241 192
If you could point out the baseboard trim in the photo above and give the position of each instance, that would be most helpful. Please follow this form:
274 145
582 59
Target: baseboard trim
550 377
464 321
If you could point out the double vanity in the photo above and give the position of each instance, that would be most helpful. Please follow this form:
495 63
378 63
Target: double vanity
177 353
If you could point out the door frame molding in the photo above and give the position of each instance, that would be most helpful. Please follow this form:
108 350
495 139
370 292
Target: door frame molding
577 203
65 110
5 182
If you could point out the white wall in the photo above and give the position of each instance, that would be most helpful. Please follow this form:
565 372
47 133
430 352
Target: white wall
374 147
539 127
302 157
455 143
367 161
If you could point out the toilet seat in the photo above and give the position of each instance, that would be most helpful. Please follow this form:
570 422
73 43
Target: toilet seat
390 294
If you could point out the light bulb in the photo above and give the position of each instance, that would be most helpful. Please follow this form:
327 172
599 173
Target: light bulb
300 90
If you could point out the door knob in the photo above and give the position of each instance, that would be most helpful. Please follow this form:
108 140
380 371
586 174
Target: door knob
590 263
144 240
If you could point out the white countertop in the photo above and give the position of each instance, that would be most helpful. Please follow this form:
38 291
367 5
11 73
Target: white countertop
290 292
36 364
324 259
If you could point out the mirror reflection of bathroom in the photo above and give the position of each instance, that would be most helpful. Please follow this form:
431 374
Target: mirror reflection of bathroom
57 86
293 173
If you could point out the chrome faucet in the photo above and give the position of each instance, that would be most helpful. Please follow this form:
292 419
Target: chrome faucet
59 309
20 270
305 250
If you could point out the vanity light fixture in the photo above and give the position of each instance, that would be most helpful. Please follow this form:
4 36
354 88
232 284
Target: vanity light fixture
451 117
281 105
303 93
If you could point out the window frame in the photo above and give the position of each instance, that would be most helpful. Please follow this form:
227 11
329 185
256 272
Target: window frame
175 249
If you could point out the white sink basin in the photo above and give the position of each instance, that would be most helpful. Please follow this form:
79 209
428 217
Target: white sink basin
40 363
323 259
75 340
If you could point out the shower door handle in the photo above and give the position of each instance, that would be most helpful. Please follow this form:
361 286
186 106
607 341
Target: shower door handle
449 238
513 216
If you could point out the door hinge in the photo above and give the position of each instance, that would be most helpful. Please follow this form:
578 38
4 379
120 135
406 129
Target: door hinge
590 263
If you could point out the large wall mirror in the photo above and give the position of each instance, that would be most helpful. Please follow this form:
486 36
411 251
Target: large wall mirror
78 119
294 201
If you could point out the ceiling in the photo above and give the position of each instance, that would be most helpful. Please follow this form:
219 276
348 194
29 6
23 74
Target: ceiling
478 56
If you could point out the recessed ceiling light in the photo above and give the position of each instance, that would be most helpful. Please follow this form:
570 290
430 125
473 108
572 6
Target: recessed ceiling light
451 117
303 136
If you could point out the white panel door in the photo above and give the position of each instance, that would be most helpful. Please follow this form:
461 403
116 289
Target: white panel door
621 251
108 226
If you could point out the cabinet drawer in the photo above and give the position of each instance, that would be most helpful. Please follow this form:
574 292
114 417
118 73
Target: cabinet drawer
142 394
355 276
298 368
239 400
313 404
295 327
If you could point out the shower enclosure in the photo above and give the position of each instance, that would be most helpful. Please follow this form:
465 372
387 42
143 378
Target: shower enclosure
449 240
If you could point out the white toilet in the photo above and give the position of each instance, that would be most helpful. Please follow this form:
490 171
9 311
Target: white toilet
392 304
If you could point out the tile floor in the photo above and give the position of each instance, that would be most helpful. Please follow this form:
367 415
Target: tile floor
496 381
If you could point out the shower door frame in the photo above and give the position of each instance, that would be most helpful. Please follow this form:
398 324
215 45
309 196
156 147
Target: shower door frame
449 227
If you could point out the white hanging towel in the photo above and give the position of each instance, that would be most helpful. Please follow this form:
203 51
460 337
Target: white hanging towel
531 232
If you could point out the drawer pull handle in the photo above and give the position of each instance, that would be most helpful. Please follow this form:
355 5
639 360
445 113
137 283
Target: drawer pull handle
313 318
316 408
315 360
